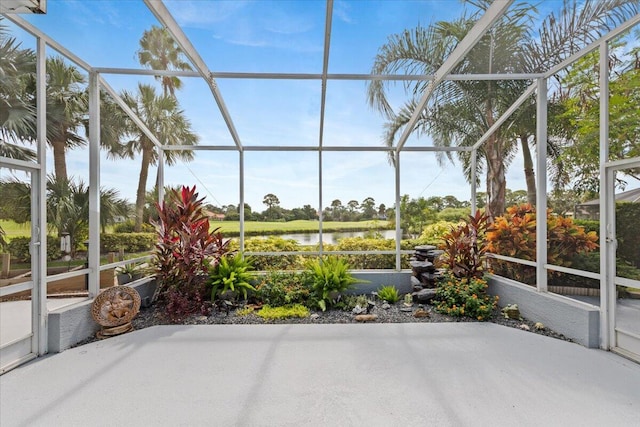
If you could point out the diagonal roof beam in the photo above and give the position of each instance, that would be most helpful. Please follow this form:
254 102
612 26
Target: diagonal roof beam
129 112
163 15
503 118
493 13
325 68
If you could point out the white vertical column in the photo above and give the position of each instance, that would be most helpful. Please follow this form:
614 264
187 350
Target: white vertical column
39 344
241 202
94 185
320 215
541 194
396 164
607 213
474 179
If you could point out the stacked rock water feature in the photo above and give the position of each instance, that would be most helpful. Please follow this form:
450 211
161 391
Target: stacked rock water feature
425 275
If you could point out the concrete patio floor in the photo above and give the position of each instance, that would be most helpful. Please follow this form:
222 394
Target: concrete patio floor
441 374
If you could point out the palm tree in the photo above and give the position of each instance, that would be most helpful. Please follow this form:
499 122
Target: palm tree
460 112
67 205
163 116
67 107
17 118
159 51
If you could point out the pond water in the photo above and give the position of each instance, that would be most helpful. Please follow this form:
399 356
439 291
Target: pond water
310 239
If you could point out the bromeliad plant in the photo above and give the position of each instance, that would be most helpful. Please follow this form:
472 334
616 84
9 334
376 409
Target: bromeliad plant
231 277
185 250
329 278
464 247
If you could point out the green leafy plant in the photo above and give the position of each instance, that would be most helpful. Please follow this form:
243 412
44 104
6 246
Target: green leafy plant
278 288
245 311
389 294
329 278
464 247
184 252
233 274
465 296
275 313
130 269
349 302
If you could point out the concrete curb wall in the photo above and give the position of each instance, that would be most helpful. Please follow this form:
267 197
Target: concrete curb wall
574 319
375 279
71 324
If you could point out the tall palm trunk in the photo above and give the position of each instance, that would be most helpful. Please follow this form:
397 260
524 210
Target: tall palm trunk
142 184
529 174
496 180
59 160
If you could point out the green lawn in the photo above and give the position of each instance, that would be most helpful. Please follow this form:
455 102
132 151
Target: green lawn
14 229
250 227
299 226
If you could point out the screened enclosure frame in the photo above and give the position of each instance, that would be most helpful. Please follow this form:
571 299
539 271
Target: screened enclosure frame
493 13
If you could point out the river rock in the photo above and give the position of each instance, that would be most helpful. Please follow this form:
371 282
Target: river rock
366 317
424 295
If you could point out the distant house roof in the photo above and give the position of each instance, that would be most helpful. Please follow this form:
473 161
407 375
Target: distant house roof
632 196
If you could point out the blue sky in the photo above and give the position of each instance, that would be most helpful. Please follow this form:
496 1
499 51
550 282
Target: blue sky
268 36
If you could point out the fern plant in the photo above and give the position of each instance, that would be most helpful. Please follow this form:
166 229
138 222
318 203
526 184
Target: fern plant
329 278
232 274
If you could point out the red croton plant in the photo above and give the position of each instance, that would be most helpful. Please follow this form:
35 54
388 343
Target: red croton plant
184 252
514 235
464 247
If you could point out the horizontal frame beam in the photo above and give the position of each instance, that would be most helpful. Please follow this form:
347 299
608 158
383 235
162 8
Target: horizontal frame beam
310 148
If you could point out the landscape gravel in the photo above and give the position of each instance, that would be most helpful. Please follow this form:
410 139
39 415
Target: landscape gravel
396 313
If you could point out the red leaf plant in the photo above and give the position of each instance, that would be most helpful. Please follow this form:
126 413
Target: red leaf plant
184 252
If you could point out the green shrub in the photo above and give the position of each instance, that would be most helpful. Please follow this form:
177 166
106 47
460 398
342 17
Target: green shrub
465 296
434 233
274 244
389 294
627 220
454 214
18 247
130 242
232 274
588 225
275 313
591 262
330 277
129 227
366 261
283 288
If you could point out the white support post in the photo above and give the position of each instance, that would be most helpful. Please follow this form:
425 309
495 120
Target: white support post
94 185
474 179
241 202
541 193
320 215
607 215
39 210
396 164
